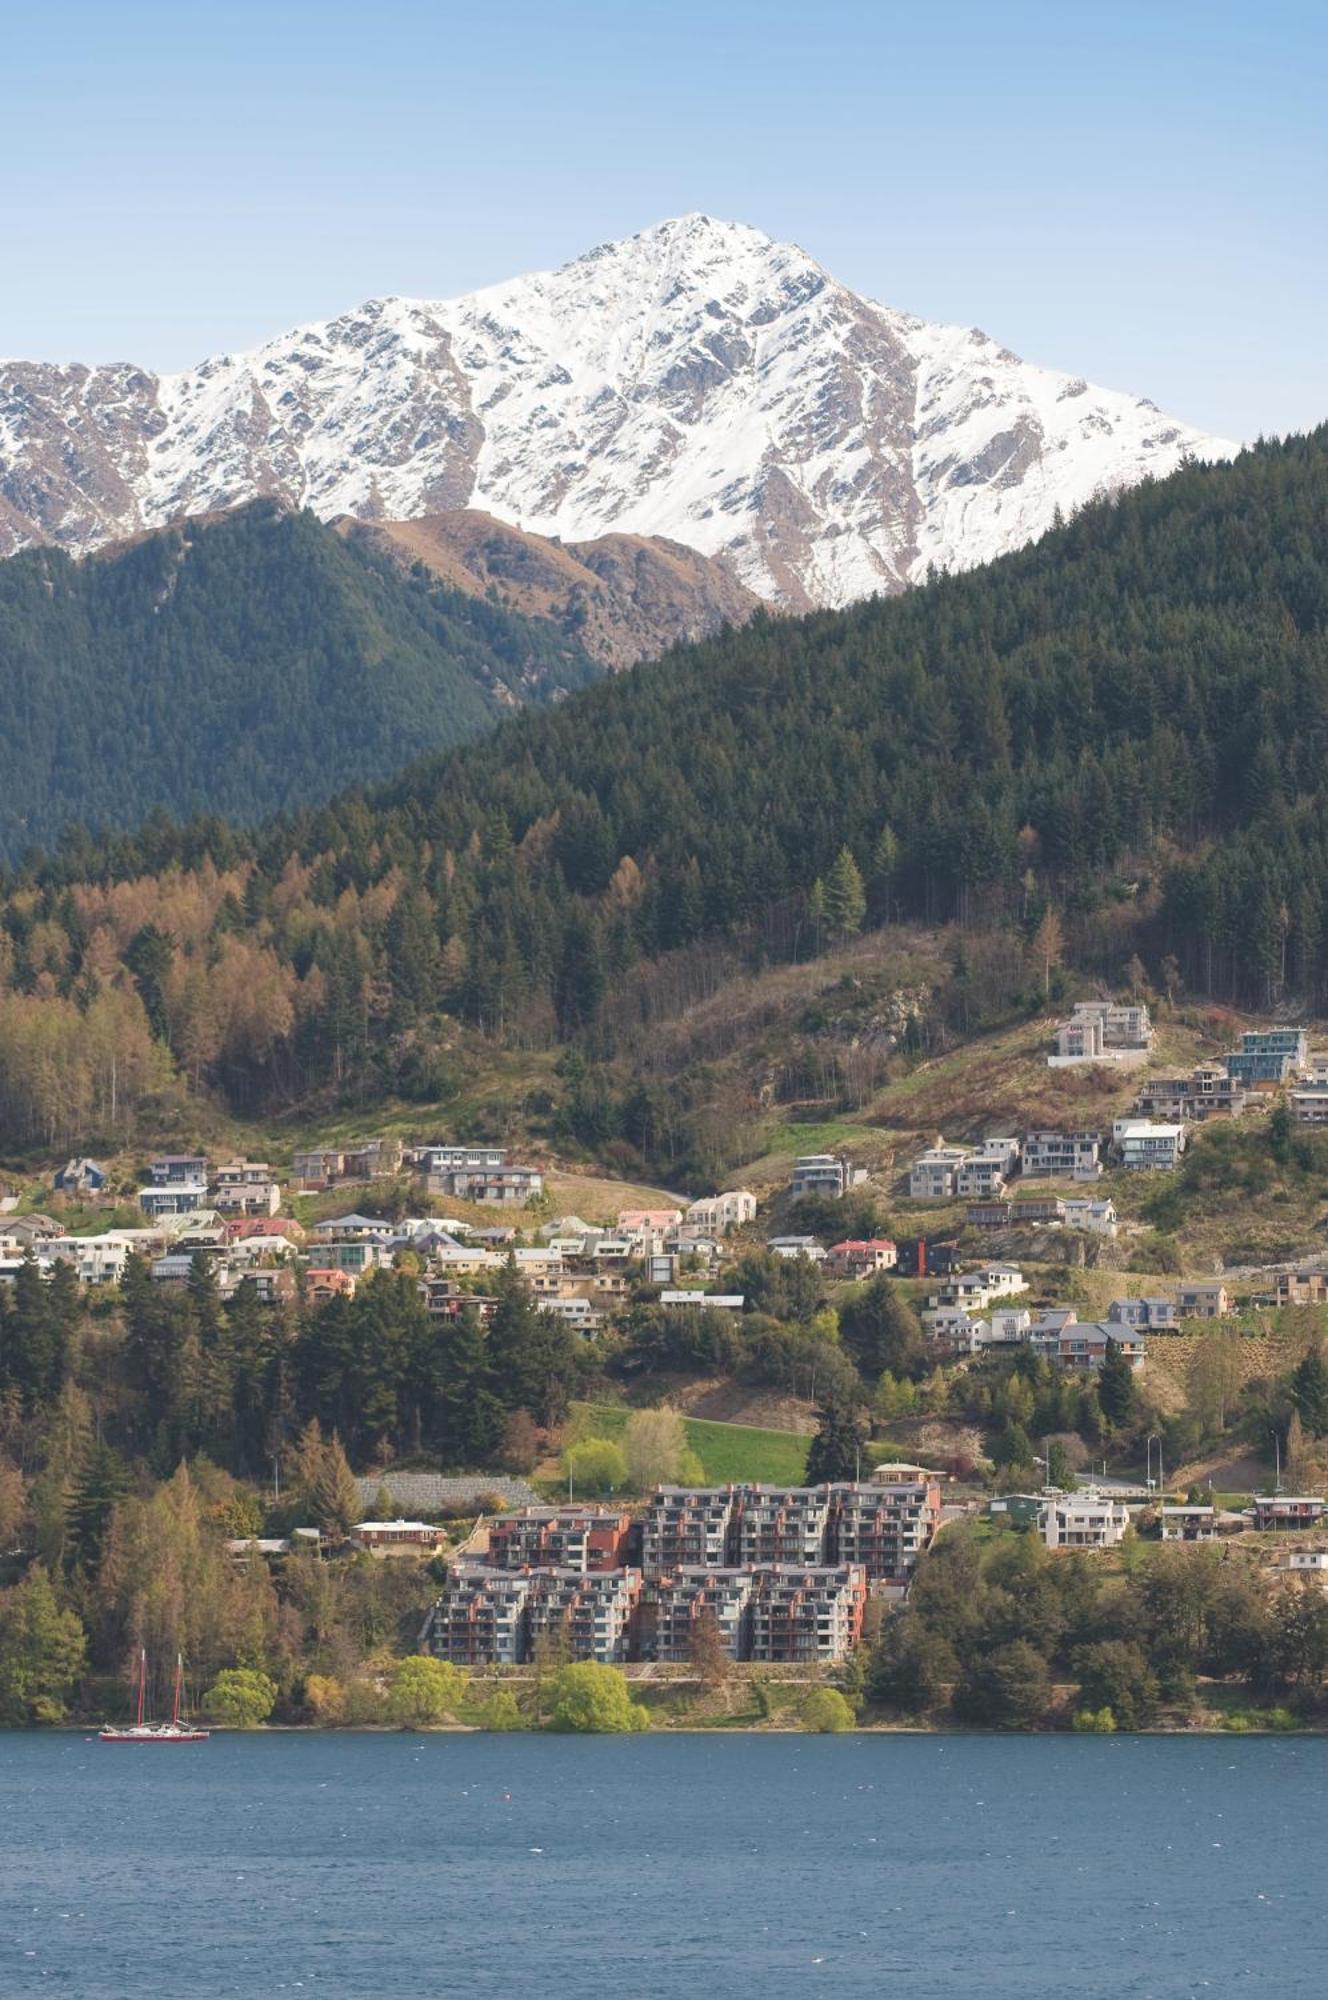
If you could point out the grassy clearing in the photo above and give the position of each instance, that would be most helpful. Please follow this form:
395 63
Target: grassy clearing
728 1452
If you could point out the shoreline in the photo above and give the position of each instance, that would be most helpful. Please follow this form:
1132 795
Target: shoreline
89 1730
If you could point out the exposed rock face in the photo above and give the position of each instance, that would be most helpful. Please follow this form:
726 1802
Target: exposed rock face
697 381
622 597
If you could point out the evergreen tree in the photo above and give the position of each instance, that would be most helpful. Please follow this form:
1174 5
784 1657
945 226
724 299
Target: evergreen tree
881 1331
845 897
332 1493
1309 1391
835 1453
1117 1389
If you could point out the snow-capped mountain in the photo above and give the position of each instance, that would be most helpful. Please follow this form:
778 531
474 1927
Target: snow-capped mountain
697 381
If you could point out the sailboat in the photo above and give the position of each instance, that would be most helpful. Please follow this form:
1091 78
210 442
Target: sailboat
140 1731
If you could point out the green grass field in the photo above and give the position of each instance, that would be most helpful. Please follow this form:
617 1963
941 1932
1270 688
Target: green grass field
728 1452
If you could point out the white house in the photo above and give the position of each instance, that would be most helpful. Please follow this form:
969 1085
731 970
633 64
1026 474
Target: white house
1085 1519
1142 1144
1098 1218
934 1175
722 1212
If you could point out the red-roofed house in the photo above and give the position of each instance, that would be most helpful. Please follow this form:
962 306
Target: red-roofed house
861 1258
322 1285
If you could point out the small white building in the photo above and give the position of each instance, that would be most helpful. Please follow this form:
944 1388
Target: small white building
1097 1218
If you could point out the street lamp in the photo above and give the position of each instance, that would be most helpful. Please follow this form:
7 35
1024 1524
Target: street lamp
1153 1439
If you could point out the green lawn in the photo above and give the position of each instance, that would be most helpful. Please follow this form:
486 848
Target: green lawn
728 1452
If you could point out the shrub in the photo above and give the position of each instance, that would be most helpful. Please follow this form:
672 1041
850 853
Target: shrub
825 1713
241 1697
1095 1722
422 1690
592 1699
596 1465
501 1711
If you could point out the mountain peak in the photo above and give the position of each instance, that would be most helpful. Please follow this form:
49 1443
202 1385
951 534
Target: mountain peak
698 380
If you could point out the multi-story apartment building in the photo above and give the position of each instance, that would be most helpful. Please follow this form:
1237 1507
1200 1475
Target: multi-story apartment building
686 1527
489 1616
593 1613
481 1618
682 1601
570 1538
1150 1313
807 1613
883 1528
1062 1156
778 1524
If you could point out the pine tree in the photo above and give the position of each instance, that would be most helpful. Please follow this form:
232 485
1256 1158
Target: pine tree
1116 1386
1309 1391
845 897
835 1452
332 1494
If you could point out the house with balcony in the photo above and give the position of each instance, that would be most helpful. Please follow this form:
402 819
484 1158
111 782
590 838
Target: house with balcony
1096 1218
1284 1513
96 1260
1309 1102
1062 1156
81 1177
934 1175
178 1170
245 1187
1086 1344
987 1169
1139 1312
1185 1523
170 1198
1268 1056
1143 1145
824 1173
1208 1300
1085 1519
1190 1098
1102 1031
721 1213
1307 1286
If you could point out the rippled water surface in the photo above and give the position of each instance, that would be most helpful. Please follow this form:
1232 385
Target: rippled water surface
688 1866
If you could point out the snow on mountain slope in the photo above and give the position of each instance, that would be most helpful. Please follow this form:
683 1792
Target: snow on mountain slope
697 381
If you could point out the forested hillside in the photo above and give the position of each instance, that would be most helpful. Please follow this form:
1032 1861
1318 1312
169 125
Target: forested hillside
1123 727
240 665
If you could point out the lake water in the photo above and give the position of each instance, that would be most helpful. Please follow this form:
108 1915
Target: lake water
690 1866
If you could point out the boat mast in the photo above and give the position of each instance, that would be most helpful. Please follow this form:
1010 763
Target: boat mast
179 1675
142 1681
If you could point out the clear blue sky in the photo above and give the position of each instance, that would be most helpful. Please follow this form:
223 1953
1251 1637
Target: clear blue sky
1135 192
